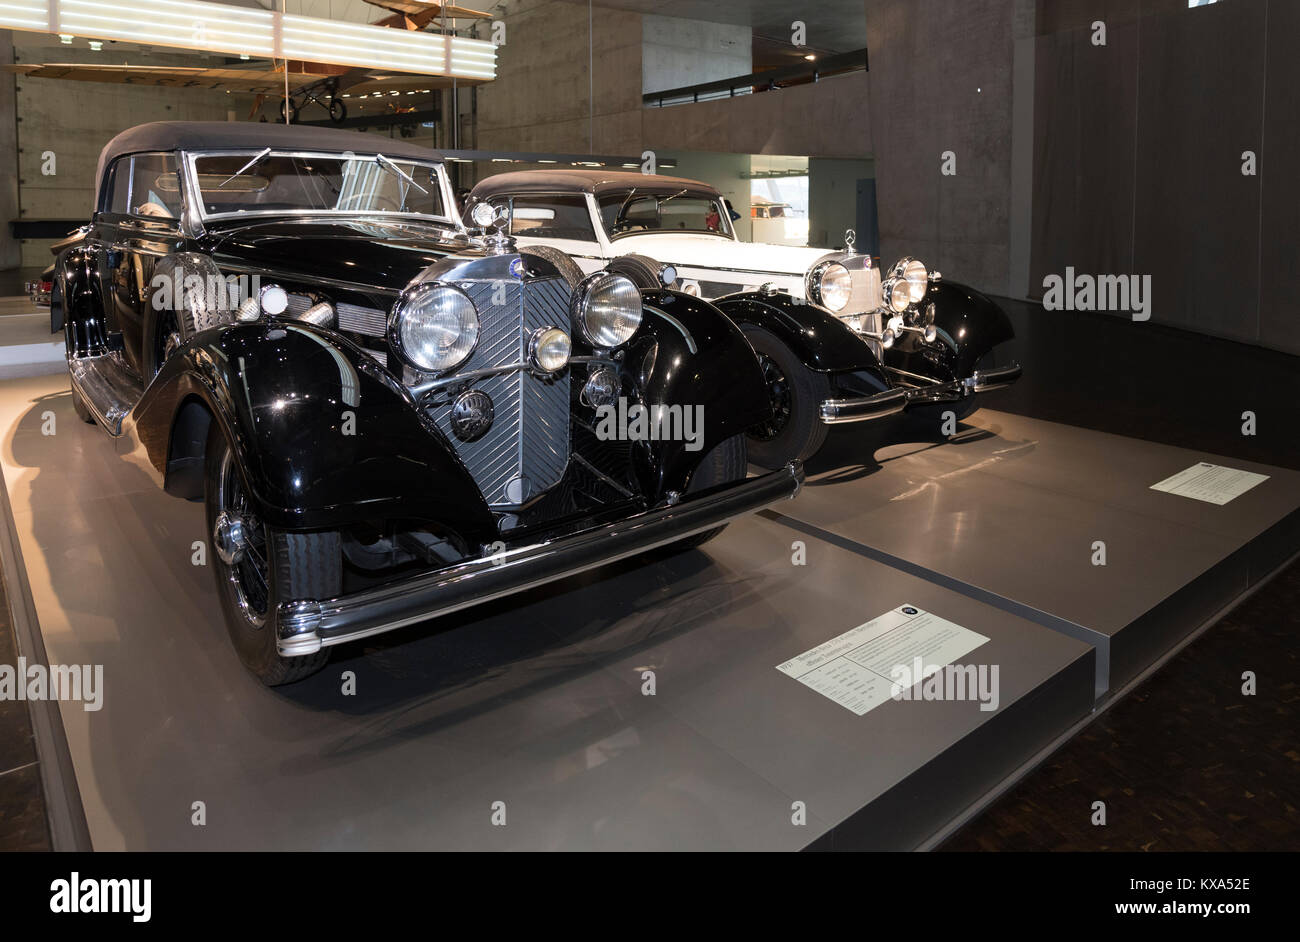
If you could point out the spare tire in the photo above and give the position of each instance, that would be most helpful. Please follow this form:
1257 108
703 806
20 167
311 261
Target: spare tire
566 266
643 270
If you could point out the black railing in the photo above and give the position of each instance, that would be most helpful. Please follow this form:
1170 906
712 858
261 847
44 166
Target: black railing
800 74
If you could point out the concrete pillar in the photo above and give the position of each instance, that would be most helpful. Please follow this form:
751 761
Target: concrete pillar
941 92
10 249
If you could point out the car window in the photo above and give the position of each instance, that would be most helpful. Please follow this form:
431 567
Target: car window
623 214
155 186
116 194
550 217
312 183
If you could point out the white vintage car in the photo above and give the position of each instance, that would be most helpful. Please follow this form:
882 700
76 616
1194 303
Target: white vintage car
596 216
839 340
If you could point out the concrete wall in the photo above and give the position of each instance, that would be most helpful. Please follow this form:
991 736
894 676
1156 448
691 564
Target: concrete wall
541 98
10 250
1138 167
544 97
941 80
677 52
826 119
832 200
74 120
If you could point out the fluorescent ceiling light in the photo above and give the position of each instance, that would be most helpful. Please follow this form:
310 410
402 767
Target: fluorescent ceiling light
221 28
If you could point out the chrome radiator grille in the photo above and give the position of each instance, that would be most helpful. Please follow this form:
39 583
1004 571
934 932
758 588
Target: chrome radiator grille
527 448
866 295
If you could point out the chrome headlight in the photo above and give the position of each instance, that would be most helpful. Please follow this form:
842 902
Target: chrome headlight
830 285
607 308
907 284
434 327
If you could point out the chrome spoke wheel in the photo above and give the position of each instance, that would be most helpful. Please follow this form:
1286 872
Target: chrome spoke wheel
778 394
240 544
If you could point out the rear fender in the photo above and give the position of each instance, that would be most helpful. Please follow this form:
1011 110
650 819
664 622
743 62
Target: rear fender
324 436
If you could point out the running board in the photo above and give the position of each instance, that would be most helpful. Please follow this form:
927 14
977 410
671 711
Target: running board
107 388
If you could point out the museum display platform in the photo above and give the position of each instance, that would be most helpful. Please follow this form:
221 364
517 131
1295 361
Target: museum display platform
1010 511
534 711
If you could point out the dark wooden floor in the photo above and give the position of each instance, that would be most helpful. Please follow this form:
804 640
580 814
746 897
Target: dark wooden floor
22 803
1186 761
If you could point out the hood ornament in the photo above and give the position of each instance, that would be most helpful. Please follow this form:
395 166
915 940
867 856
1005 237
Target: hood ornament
494 221
850 241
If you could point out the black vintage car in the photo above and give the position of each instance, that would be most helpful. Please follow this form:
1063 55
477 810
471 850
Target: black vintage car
388 418
839 339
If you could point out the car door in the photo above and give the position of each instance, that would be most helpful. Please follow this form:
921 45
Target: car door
140 228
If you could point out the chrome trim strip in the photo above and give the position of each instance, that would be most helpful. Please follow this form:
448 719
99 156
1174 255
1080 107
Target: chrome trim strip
305 626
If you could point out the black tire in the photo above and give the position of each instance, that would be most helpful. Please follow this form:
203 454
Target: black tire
643 270
338 110
567 267
727 461
294 566
795 431
291 107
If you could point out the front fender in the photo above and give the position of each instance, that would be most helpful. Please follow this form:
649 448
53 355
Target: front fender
970 325
688 354
820 340
324 436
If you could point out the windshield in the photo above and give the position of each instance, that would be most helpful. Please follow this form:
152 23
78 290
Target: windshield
274 182
625 213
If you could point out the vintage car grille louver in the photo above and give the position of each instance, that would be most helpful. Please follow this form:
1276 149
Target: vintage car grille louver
528 442
362 320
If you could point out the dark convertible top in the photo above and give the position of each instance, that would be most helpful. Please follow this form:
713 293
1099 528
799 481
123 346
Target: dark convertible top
594 181
238 135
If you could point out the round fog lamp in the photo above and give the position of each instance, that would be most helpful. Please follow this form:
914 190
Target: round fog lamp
601 389
274 300
887 338
549 349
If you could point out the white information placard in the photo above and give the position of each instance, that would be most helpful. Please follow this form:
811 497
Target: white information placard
858 668
1211 483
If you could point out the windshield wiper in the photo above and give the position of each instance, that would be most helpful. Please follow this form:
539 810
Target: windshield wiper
248 166
393 168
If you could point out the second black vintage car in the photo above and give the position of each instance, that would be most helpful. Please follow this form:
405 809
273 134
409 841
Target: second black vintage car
840 340
388 419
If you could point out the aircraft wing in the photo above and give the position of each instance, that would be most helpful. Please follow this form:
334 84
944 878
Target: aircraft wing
413 7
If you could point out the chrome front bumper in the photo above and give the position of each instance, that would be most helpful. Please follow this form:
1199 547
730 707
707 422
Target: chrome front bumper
893 401
304 627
